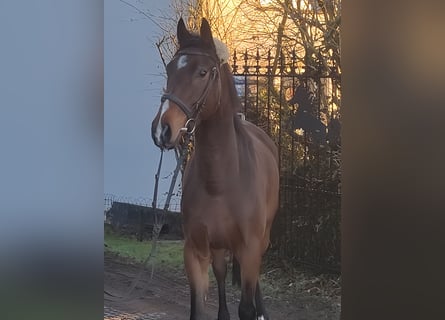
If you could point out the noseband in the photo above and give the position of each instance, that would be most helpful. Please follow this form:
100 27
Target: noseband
196 108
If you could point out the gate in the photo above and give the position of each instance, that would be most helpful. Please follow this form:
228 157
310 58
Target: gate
299 107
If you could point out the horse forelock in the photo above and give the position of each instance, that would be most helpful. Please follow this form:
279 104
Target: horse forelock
196 42
220 51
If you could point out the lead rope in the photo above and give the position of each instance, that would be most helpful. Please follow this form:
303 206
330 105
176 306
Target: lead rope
158 218
155 192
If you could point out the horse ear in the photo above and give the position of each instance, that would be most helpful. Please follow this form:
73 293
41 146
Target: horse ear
206 33
182 33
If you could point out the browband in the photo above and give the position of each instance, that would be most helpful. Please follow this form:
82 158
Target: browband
186 52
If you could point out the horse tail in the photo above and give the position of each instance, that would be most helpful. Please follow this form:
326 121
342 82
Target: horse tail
236 272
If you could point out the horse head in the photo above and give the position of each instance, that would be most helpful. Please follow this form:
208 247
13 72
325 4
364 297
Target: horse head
193 89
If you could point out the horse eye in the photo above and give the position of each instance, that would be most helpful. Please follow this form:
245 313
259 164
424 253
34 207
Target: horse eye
202 73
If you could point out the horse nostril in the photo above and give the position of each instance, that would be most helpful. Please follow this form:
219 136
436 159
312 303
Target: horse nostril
166 134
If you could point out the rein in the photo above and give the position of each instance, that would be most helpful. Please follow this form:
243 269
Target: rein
158 218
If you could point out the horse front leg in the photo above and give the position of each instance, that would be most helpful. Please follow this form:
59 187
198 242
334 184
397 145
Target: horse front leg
219 266
196 266
250 260
259 303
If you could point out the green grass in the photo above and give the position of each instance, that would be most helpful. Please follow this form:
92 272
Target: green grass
169 253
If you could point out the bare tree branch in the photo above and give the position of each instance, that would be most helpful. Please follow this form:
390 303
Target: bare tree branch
142 12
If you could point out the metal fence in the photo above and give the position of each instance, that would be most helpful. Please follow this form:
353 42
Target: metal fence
145 202
299 107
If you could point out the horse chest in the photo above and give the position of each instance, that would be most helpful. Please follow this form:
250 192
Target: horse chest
214 214
213 184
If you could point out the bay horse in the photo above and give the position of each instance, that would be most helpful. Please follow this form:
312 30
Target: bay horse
231 181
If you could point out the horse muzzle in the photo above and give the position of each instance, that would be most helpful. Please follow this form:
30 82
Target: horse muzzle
162 135
165 138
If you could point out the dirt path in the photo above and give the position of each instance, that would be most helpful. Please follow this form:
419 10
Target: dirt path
166 297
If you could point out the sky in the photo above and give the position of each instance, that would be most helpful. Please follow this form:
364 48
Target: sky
133 82
66 136
51 131
59 152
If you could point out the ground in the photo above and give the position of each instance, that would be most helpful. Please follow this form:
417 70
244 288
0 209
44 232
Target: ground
166 294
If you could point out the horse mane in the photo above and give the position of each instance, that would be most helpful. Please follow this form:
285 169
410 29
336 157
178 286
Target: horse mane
234 99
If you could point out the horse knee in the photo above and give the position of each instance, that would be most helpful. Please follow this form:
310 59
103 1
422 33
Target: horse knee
196 265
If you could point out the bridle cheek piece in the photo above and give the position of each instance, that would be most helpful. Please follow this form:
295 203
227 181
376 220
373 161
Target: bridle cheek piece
192 112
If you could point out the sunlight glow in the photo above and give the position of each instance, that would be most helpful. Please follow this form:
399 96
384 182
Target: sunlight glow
265 2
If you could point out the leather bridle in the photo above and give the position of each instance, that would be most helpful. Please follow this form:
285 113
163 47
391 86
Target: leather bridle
196 108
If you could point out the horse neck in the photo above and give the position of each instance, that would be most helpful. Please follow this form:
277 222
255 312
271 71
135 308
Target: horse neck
216 134
216 144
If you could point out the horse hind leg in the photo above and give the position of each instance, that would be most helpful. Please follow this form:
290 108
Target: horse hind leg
196 266
219 266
